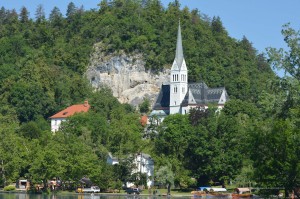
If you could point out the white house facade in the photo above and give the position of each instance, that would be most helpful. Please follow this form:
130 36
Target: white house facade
56 123
58 118
143 164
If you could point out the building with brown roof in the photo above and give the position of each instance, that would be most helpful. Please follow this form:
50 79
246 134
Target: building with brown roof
62 116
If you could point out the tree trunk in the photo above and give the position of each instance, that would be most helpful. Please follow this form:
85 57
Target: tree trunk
169 188
45 185
286 193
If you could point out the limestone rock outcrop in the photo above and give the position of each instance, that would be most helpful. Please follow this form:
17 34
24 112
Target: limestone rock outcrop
125 75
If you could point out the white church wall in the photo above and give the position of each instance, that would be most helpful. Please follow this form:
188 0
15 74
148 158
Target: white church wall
223 97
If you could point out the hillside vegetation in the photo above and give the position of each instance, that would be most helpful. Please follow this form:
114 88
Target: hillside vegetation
42 66
45 58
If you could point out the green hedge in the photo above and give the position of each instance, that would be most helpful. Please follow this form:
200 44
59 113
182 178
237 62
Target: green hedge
9 188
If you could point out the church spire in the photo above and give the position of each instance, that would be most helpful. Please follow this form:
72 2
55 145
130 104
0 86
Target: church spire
179 49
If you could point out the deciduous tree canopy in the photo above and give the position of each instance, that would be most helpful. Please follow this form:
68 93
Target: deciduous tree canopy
42 65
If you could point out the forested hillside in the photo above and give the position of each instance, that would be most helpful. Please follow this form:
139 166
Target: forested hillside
47 57
42 65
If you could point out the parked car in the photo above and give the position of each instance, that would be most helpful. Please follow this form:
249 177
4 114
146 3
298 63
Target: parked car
133 191
92 189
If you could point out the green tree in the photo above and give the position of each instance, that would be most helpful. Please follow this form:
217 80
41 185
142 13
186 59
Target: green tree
145 106
275 155
56 17
287 61
123 170
125 133
274 139
165 176
30 130
14 158
71 10
24 15
40 14
172 138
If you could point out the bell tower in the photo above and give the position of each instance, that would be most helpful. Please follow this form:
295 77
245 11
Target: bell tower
178 77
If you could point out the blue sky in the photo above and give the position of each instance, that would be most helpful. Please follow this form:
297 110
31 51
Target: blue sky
259 20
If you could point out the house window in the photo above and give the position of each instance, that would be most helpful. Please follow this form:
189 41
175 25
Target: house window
55 122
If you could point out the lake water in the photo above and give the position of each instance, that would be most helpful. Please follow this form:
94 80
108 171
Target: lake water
75 196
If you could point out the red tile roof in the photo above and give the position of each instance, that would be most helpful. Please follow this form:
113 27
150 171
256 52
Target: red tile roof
71 110
144 120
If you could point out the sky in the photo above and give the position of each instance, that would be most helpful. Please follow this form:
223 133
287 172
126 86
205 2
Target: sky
260 21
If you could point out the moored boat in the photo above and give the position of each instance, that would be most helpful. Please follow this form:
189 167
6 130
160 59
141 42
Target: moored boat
242 193
199 194
211 192
217 193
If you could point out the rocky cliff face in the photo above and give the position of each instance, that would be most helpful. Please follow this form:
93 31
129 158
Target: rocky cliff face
125 75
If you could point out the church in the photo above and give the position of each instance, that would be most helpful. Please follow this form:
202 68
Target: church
179 96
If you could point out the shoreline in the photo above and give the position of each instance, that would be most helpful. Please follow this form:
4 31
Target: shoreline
97 194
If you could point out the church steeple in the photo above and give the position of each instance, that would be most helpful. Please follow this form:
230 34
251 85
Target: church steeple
179 49
178 77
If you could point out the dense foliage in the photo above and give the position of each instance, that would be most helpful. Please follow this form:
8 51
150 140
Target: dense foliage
42 65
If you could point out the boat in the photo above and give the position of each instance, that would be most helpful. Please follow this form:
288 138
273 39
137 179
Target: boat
200 192
242 193
216 192
211 192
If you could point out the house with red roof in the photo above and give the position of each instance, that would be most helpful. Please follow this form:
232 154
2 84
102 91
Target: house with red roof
144 120
62 116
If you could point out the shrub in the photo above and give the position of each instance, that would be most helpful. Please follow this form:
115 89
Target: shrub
9 188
